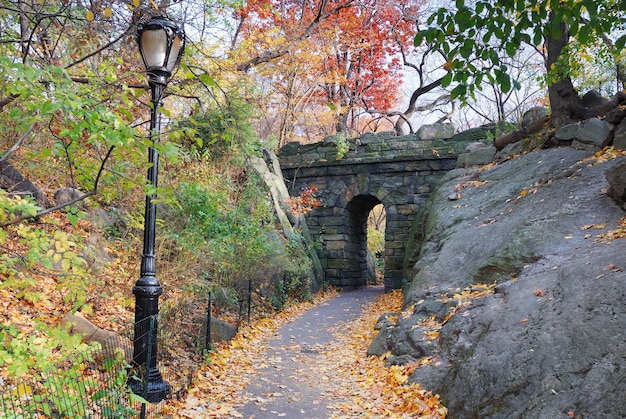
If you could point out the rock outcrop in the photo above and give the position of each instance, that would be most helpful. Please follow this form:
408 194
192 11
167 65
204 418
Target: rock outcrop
524 279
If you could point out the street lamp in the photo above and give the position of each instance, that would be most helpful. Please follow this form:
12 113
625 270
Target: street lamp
161 43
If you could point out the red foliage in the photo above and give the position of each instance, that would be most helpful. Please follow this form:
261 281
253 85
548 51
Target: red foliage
361 43
305 202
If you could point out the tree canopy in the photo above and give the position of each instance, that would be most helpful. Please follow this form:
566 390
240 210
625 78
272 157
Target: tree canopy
475 34
336 57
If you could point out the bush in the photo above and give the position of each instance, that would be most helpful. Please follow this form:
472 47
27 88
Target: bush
221 132
223 232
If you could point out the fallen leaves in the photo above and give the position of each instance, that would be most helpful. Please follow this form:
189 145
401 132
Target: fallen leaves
219 383
618 233
611 267
357 386
604 155
465 297
469 293
470 184
533 189
373 390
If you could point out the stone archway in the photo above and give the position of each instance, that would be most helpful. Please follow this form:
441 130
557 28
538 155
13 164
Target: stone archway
399 172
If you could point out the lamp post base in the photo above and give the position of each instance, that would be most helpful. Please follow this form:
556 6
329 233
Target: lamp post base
153 388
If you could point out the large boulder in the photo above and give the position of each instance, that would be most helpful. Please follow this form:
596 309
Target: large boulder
533 114
219 331
435 132
593 134
12 181
545 342
616 176
619 137
65 195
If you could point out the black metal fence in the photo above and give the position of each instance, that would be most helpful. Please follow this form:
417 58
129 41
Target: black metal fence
95 383
89 384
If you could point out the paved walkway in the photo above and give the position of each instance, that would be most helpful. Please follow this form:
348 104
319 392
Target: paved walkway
293 380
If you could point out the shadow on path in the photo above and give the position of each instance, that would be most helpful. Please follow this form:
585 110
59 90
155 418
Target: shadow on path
293 380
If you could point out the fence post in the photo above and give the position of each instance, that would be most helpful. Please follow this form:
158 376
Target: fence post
207 342
249 298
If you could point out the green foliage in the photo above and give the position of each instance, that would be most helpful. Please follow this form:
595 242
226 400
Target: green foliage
223 232
594 67
23 353
116 398
342 146
55 254
11 207
224 129
376 246
224 221
297 282
375 241
62 389
501 128
474 35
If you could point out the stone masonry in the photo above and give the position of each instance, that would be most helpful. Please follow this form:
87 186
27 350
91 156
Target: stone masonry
398 172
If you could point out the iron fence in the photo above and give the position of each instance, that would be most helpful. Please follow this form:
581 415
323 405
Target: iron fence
95 383
89 384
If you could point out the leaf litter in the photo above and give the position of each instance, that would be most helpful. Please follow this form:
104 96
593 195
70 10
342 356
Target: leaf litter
356 385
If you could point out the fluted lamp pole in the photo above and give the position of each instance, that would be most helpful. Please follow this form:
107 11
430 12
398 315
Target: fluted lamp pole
161 43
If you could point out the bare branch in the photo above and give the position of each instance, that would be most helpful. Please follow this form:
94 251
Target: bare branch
17 144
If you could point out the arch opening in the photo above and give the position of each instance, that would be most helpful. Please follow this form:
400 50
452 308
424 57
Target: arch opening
376 224
361 268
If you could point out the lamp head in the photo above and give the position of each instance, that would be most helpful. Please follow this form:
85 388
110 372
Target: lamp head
161 44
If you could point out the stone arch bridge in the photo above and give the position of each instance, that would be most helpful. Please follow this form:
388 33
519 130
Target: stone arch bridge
398 172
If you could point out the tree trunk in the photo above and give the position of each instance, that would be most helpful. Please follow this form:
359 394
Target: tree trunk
341 126
565 104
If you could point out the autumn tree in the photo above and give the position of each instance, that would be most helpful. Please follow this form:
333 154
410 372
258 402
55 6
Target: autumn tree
353 46
63 102
473 34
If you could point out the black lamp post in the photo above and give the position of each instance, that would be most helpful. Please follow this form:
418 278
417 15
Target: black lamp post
161 44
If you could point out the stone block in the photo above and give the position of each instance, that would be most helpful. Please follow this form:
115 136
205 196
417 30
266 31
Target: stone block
408 209
479 157
594 132
436 132
336 263
619 138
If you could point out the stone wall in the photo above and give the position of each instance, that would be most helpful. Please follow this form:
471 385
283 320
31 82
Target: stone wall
398 172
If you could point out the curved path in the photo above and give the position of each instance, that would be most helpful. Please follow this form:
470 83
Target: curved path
294 381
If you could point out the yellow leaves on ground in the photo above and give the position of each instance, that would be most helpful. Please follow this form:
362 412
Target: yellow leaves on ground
533 189
604 155
469 184
590 226
465 297
362 387
229 367
369 388
431 327
474 291
618 233
487 166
